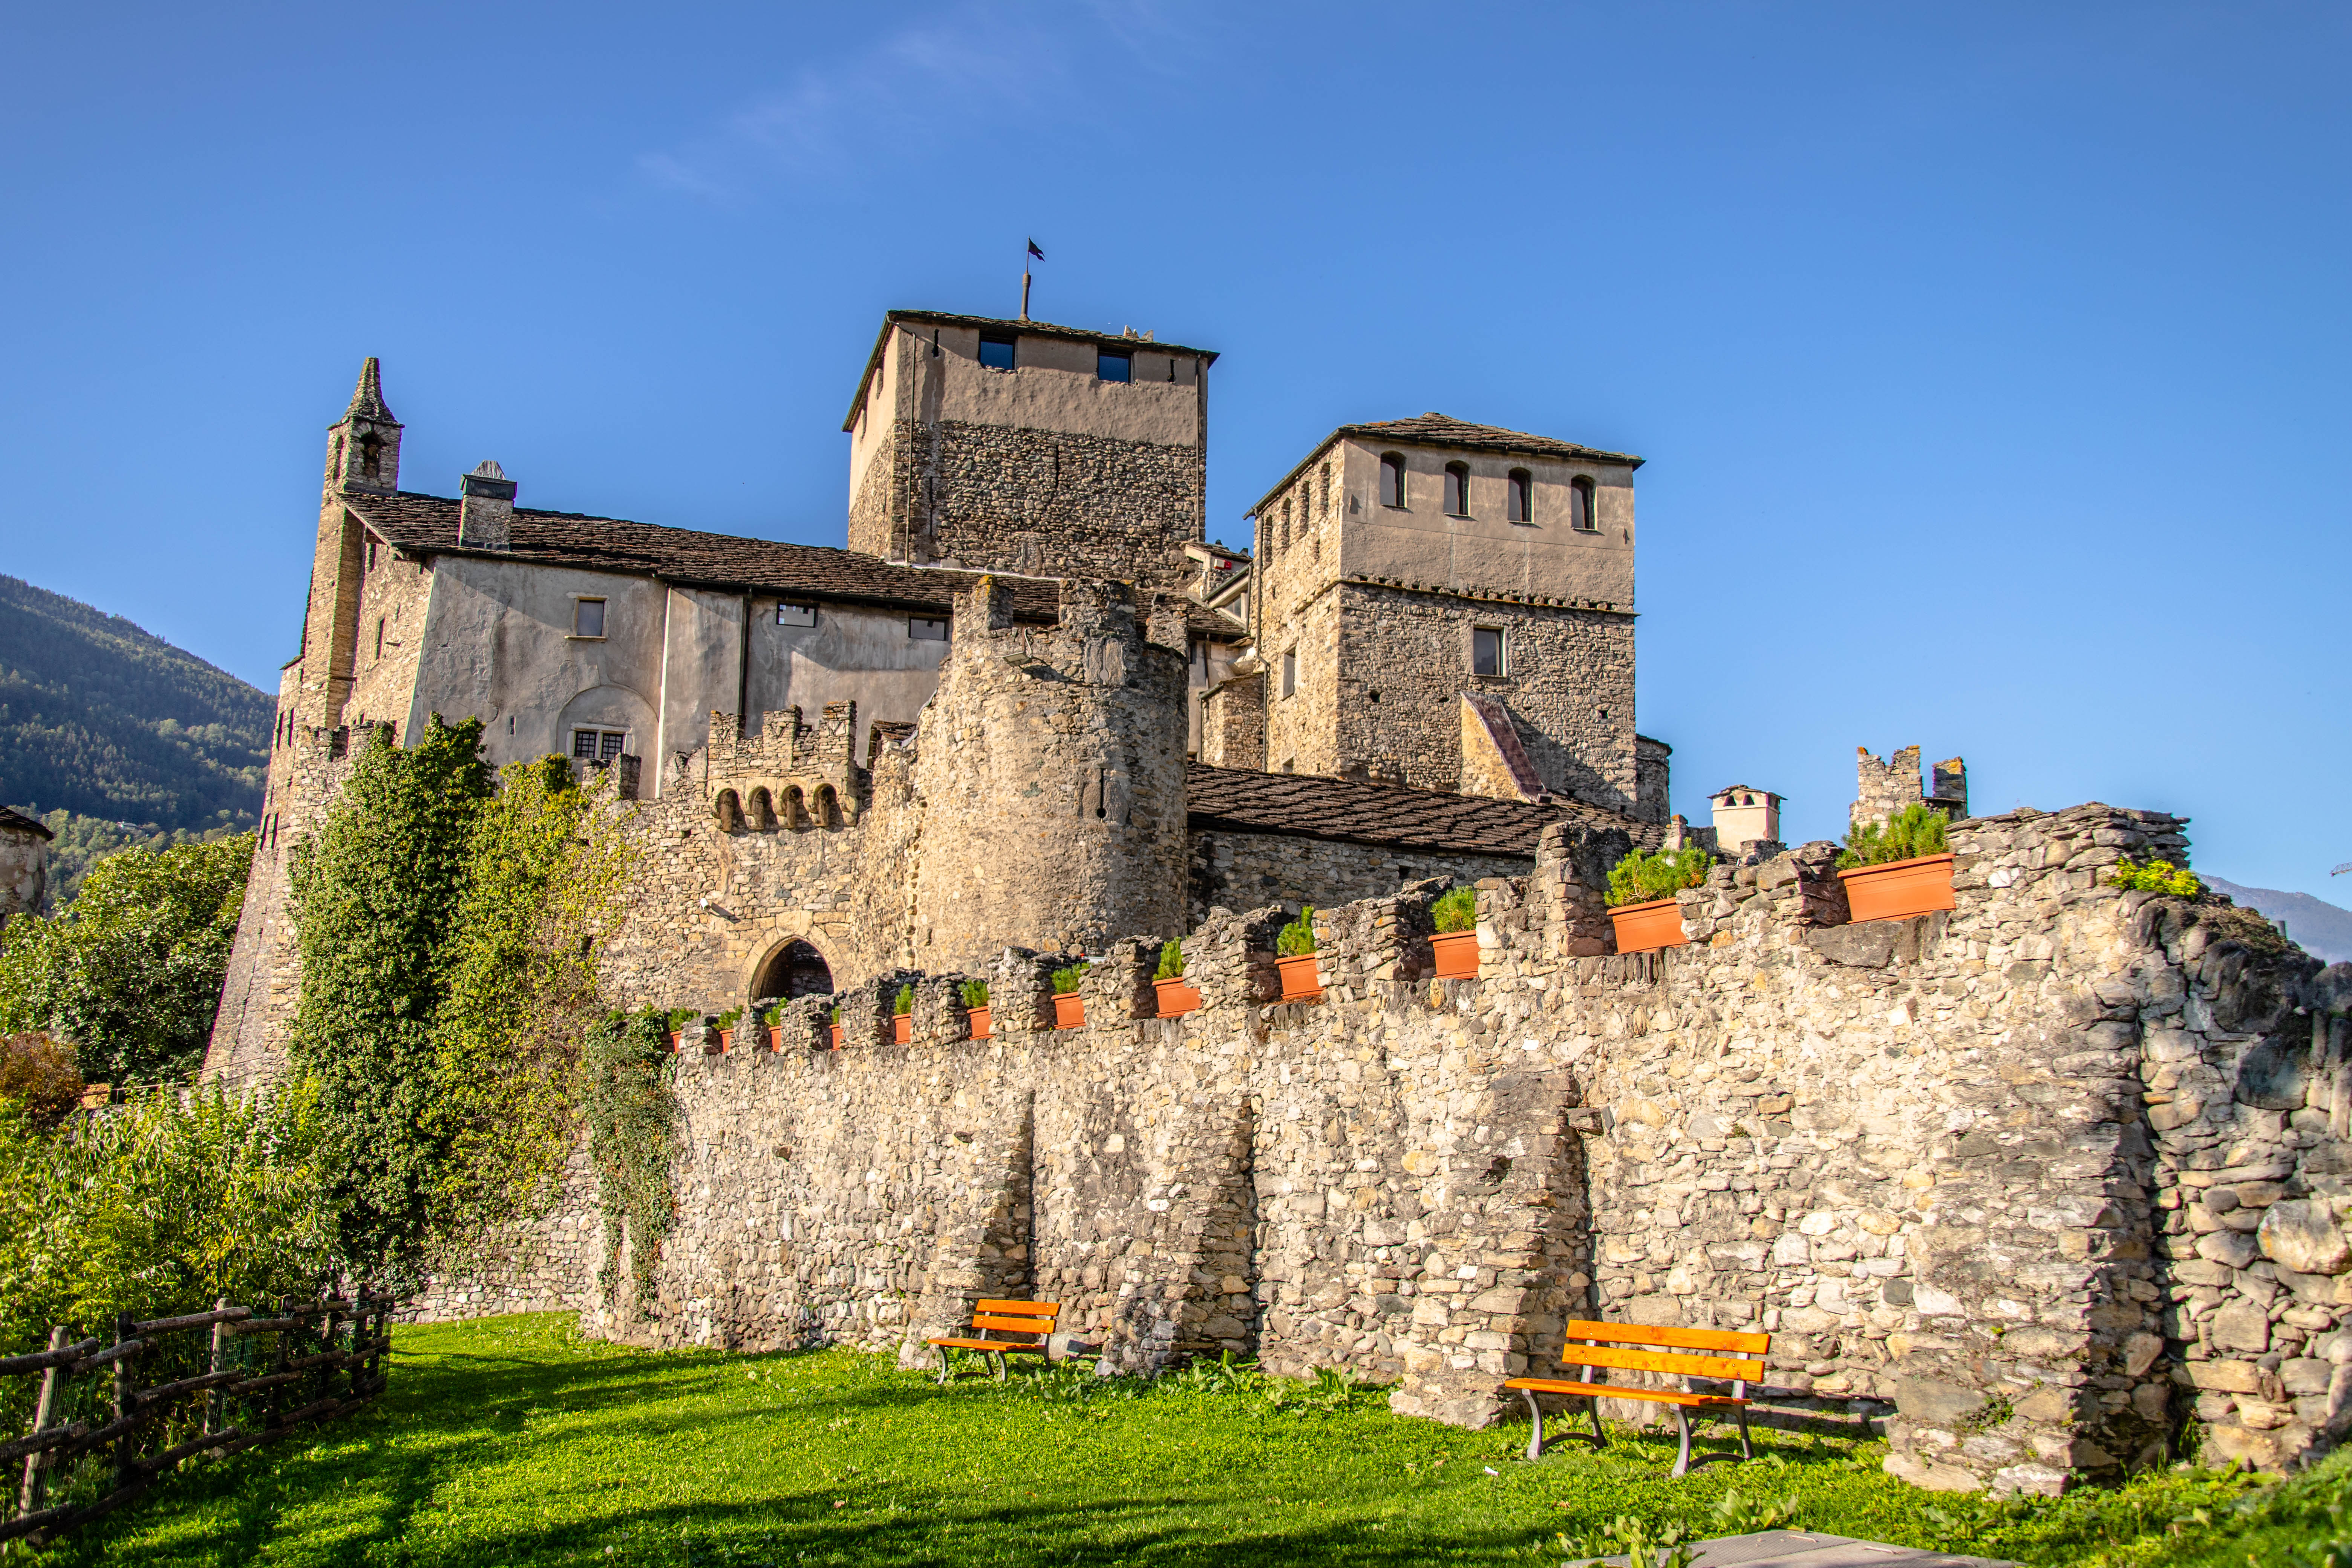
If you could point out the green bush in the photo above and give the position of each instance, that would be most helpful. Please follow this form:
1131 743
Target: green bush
1642 878
1913 831
129 973
729 1019
974 993
904 1003
2156 877
677 1018
1065 981
1171 961
1457 910
1297 939
38 1074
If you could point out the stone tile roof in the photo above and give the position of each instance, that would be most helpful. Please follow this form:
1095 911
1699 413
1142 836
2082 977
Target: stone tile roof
15 821
1313 807
1444 430
427 525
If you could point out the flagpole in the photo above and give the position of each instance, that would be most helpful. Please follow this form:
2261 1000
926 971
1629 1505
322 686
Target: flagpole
1024 279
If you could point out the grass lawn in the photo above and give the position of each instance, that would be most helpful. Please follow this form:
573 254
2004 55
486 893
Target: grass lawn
512 1440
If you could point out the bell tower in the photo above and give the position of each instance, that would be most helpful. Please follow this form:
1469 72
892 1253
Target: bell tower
362 461
364 446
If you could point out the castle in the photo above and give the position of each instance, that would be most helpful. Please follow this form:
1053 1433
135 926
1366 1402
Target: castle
1431 606
2040 1181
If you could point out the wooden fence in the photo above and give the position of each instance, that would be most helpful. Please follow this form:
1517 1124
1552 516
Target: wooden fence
98 1439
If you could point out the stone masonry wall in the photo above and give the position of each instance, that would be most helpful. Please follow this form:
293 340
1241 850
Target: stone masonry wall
1036 502
1914 1151
1250 870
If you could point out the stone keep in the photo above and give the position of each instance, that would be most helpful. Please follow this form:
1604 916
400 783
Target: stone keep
1050 769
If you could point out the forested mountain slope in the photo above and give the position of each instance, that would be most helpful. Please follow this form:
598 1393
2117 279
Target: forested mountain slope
101 719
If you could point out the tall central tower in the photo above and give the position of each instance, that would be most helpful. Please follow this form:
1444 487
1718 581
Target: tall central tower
1021 448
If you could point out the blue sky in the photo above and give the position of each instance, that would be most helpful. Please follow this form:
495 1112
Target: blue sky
1989 359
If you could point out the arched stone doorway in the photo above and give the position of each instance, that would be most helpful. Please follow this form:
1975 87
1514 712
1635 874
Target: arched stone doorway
795 969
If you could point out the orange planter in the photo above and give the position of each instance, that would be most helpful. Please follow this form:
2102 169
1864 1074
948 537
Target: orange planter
1299 981
835 1032
726 1041
1645 927
1900 889
1457 955
1069 1010
672 1042
980 1024
1177 996
775 1040
902 1027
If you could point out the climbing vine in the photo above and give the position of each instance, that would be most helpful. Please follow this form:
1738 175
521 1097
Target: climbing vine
632 1115
450 928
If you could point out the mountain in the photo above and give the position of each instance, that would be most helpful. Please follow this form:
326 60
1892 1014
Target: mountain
2317 927
102 719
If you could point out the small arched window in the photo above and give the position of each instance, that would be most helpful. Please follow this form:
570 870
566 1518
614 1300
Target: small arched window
1457 489
1284 539
1392 478
1522 490
1580 512
372 455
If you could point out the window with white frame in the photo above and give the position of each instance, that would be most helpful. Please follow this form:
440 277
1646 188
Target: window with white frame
1487 652
587 617
598 747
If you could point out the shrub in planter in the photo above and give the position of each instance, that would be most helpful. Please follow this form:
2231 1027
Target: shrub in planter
1641 889
902 1019
1294 948
2156 877
725 1024
1915 831
1456 942
975 1003
1069 1009
1176 997
832 1020
675 1020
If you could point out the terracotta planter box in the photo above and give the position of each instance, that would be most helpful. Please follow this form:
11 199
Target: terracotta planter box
672 1042
1900 889
835 1031
1069 1010
1457 955
775 1040
1299 981
980 1024
1177 996
902 1027
1645 927
726 1041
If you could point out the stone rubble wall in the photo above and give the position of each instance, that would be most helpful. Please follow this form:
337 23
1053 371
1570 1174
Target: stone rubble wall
1249 870
1914 1152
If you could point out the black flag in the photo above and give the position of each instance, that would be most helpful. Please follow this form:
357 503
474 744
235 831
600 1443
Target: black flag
1036 252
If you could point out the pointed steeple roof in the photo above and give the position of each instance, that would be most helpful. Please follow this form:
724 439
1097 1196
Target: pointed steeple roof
367 398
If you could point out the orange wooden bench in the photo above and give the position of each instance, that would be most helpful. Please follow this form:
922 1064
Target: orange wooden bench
1601 1348
1034 1321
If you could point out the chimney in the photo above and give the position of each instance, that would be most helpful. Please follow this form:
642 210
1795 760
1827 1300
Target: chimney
486 517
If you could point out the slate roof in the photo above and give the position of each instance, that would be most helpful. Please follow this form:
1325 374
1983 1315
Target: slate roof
1444 430
13 820
1305 806
427 525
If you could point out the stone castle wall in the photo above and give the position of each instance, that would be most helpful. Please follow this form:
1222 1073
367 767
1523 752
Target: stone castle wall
1042 503
1252 870
1980 1168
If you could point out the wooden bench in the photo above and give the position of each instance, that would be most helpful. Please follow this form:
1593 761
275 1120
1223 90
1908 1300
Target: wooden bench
1034 1321
1601 1348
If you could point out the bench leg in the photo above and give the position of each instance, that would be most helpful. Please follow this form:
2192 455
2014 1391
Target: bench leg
1535 1420
1746 1452
943 1365
1600 1438
1682 1424
998 1357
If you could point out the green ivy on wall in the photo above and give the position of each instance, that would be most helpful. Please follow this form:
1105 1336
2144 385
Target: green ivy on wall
626 1082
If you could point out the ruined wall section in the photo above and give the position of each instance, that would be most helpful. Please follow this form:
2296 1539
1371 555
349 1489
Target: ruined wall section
1251 870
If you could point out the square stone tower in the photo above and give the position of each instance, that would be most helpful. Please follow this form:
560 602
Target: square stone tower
1408 566
1021 448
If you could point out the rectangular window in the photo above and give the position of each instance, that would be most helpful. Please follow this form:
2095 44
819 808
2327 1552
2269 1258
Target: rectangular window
795 614
597 747
1486 650
1114 366
1522 507
1457 489
587 617
996 351
923 628
1290 673
1392 480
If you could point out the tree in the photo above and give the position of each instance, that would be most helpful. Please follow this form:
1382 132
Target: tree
129 973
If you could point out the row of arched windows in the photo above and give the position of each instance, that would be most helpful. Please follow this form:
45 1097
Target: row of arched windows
1518 493
765 814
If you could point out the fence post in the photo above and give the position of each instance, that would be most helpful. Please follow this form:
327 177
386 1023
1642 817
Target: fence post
36 1466
325 1382
126 1401
216 1403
